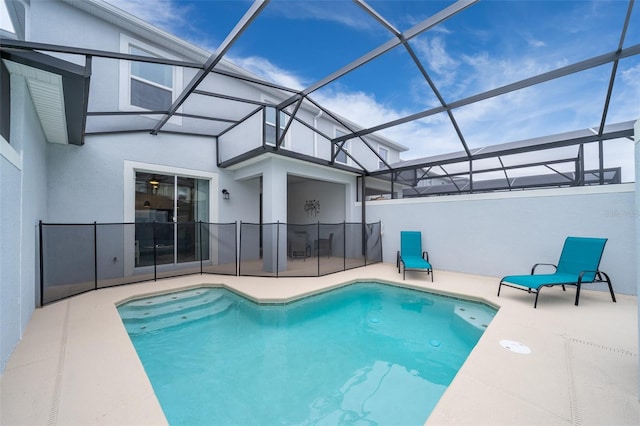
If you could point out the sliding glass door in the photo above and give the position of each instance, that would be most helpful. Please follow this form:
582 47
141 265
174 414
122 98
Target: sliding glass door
168 209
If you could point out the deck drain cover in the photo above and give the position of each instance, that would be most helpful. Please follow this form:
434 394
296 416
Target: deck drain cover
516 347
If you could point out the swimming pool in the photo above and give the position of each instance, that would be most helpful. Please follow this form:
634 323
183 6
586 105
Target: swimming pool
367 353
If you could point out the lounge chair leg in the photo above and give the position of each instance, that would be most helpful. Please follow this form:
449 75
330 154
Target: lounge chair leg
535 304
432 275
606 277
499 287
578 293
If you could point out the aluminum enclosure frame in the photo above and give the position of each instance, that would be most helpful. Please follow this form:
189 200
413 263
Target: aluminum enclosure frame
400 39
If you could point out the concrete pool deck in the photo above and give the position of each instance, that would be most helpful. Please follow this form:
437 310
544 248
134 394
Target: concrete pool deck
76 365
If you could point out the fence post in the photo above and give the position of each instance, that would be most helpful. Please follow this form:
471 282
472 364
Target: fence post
365 241
41 265
317 247
278 249
239 250
200 244
235 246
95 255
344 245
155 259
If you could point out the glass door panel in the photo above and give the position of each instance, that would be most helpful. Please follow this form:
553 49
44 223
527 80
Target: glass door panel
168 211
192 207
155 194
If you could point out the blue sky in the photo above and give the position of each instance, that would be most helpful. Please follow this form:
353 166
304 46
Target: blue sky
490 44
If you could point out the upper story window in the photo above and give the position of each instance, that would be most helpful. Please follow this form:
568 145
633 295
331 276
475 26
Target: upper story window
270 136
147 86
151 84
18 11
384 154
341 157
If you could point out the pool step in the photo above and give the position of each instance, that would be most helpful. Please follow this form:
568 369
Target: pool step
170 312
169 299
472 320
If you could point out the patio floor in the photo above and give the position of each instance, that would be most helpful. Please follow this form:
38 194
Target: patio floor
77 366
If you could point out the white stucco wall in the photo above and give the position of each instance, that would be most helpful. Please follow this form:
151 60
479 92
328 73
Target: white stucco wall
95 172
329 195
23 195
506 233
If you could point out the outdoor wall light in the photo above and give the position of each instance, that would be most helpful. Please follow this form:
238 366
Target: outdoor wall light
225 194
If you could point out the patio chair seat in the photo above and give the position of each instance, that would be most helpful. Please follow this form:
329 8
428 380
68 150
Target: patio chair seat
534 282
415 262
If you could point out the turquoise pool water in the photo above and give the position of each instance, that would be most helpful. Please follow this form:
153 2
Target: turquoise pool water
365 354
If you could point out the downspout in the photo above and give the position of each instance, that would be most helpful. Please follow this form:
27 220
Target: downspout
27 18
315 134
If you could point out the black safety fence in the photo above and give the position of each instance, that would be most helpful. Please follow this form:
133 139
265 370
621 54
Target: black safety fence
310 250
75 258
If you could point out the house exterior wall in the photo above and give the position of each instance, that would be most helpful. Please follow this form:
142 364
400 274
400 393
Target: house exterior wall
506 233
86 183
331 197
67 25
22 204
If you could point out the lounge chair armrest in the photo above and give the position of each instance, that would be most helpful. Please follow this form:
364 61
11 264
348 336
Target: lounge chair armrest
533 270
425 255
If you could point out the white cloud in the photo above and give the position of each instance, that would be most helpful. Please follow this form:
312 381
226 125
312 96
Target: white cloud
434 50
626 93
335 11
536 43
264 68
428 136
631 76
166 14
359 107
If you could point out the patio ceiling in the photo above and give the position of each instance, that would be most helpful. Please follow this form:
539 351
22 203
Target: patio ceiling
206 112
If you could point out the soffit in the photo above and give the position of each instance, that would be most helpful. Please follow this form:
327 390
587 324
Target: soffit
47 95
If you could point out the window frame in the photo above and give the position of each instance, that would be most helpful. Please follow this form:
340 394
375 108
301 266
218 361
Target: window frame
382 149
287 138
129 205
126 75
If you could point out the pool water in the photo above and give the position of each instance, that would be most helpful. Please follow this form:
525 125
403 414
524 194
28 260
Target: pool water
365 354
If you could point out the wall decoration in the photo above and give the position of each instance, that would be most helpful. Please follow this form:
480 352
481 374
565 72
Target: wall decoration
312 207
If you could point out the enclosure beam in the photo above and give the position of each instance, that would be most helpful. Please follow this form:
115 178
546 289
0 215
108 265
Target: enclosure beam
247 19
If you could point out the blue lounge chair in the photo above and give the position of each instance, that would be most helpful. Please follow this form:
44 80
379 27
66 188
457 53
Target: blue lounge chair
578 264
411 255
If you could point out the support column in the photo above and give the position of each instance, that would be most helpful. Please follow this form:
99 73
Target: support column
636 132
274 209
